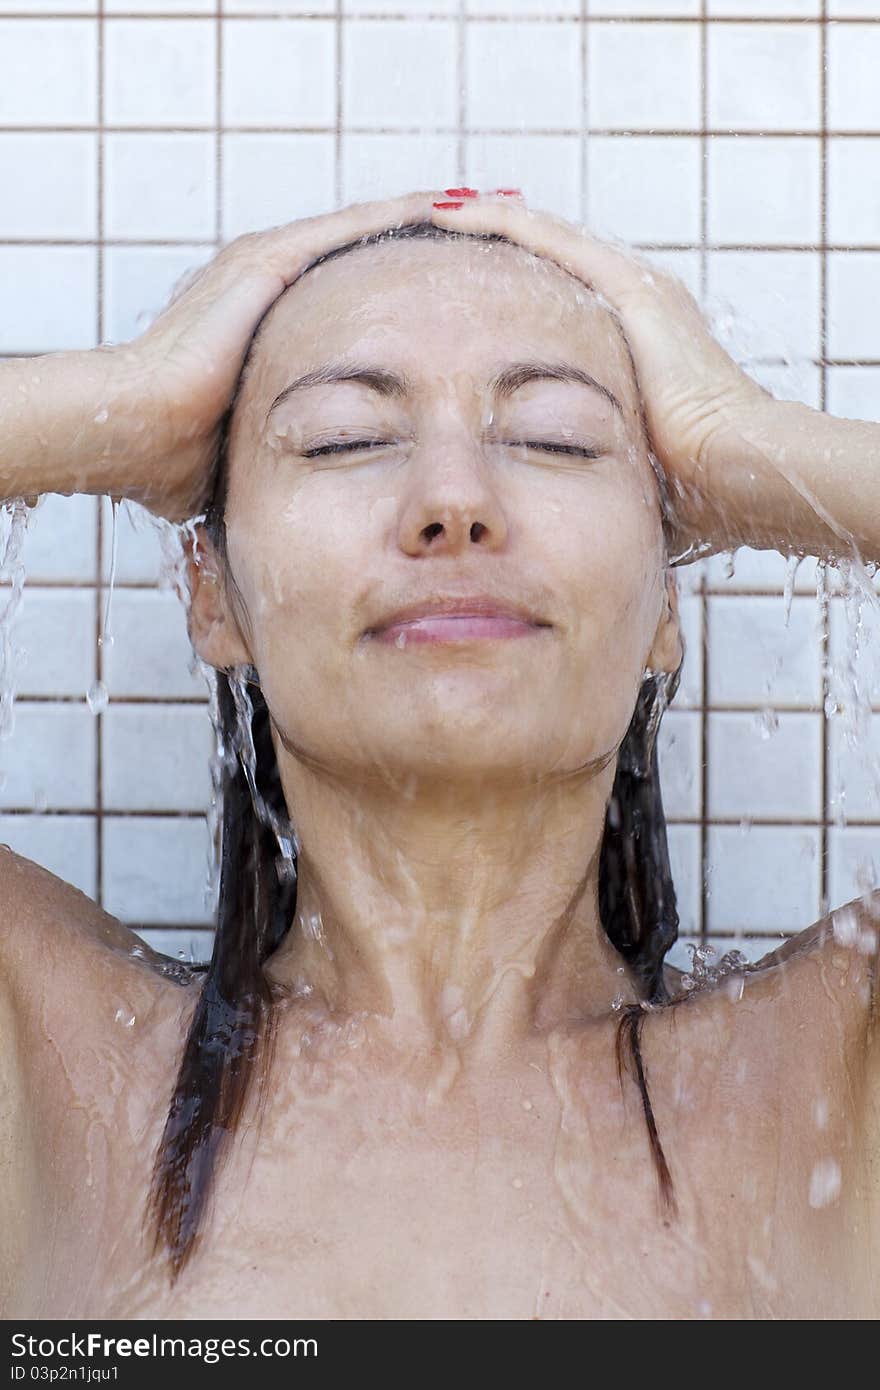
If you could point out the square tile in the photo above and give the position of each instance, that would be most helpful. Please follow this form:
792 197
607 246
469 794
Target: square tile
644 188
65 845
54 7
179 57
48 71
139 282
55 632
853 90
159 185
755 659
843 659
765 9
763 77
141 541
685 866
148 7
853 772
55 178
279 73
151 653
795 381
766 880
685 265
853 282
688 9
49 761
643 76
523 75
758 775
853 190
419 66
269 180
50 297
157 759
61 539
765 303
854 392
680 762
506 8
155 869
546 167
853 864
742 172
374 165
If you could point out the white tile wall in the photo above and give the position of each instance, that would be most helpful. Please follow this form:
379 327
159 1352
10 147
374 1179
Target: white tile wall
212 127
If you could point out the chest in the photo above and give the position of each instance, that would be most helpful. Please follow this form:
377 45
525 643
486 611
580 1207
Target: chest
537 1198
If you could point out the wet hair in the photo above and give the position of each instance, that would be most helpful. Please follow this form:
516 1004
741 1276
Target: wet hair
232 1032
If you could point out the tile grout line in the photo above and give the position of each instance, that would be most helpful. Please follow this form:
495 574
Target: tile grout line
99 528
823 405
585 112
703 923
218 126
461 61
337 126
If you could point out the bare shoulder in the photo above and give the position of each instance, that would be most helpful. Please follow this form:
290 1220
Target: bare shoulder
46 924
811 999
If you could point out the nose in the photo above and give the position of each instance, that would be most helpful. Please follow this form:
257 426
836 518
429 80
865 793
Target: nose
452 499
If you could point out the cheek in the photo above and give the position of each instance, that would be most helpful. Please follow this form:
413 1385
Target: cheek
297 554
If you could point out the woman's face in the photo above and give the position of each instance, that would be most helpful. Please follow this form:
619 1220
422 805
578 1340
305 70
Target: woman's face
454 497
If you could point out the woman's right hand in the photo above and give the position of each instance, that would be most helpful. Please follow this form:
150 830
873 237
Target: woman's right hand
181 373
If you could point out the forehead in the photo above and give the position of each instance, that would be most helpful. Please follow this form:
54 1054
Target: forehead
436 306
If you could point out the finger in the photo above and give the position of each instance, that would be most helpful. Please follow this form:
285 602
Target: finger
287 249
603 267
242 282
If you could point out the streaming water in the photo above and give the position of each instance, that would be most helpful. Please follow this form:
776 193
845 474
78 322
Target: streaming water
16 513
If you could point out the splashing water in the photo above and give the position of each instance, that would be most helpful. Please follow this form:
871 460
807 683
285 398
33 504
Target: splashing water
11 567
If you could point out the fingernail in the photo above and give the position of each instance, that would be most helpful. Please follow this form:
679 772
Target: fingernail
448 205
461 192
508 192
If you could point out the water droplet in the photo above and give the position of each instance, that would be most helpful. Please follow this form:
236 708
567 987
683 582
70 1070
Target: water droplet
97 697
825 1182
517 1183
102 417
527 1105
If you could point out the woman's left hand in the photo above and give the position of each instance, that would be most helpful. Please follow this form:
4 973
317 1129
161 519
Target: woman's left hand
697 400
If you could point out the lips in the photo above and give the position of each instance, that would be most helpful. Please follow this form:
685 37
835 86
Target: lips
457 618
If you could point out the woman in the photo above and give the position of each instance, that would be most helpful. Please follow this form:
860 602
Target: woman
437 548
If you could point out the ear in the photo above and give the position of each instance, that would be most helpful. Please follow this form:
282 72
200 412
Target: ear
667 649
211 623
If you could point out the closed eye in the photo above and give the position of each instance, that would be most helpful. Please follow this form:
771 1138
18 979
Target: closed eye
543 446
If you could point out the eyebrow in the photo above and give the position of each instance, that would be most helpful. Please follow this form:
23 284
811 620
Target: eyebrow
398 386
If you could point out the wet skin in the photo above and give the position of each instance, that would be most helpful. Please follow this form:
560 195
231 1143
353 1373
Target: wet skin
445 1133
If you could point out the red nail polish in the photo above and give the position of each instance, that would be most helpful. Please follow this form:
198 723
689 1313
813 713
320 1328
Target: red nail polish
461 192
508 192
448 205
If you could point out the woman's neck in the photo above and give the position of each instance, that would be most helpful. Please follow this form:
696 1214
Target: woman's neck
464 913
